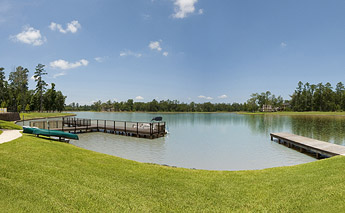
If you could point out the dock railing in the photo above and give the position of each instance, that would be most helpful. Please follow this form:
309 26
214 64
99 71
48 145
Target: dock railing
129 128
125 127
52 124
76 121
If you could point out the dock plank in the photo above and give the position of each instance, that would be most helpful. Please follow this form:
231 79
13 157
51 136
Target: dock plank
320 147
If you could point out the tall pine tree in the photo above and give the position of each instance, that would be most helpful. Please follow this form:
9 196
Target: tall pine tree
41 84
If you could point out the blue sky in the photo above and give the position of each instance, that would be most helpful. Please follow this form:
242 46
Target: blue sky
189 50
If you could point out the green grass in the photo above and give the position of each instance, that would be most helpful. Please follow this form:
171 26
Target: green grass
0 132
294 113
33 115
38 175
9 125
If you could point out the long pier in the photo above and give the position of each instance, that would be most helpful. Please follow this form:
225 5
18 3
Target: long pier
320 148
128 128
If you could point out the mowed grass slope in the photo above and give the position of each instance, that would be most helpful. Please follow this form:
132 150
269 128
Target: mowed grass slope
39 175
9 125
32 115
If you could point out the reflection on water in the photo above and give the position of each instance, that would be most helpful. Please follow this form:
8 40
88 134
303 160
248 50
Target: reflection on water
265 125
326 128
216 141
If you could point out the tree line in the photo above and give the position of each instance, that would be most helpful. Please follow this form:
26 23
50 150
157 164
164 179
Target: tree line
157 106
306 97
318 97
16 96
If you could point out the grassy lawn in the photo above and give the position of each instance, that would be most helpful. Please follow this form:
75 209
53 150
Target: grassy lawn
32 115
0 132
294 113
38 175
8 125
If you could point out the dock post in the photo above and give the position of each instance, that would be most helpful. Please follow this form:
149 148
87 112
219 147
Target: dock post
75 127
159 129
125 129
105 125
138 129
114 128
271 138
151 130
97 126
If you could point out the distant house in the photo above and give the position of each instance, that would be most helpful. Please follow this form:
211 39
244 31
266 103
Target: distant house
3 110
269 108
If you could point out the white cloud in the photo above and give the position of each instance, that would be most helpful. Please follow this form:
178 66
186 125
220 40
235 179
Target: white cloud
29 35
72 27
100 59
130 53
155 45
59 74
64 65
139 98
183 8
33 78
283 44
201 11
204 97
222 96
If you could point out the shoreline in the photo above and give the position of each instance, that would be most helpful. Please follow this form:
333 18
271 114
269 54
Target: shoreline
284 113
153 112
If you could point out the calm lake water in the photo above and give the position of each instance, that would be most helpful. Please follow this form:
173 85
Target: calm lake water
214 141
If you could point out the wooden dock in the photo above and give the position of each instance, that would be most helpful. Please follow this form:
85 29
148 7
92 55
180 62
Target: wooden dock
320 148
75 125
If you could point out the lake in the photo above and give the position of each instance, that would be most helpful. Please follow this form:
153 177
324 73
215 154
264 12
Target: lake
214 141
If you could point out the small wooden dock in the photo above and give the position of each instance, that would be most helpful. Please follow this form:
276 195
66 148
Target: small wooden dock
149 130
303 144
